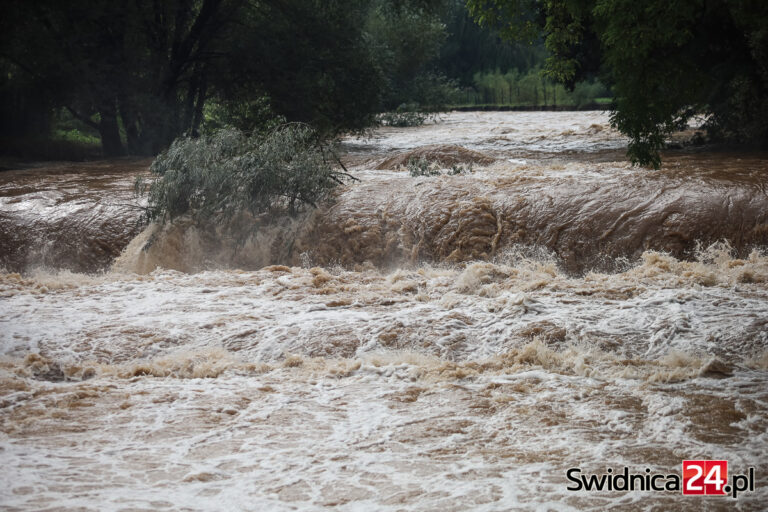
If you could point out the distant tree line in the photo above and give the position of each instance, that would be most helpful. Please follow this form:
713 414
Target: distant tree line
532 89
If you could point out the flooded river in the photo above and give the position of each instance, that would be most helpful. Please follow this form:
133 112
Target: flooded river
453 342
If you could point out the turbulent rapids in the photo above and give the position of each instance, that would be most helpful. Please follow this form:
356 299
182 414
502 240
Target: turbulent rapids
585 208
443 342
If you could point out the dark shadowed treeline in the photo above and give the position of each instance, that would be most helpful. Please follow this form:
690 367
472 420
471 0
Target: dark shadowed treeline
136 75
133 76
139 74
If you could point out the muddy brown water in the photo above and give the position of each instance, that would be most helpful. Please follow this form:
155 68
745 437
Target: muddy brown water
76 216
588 213
429 343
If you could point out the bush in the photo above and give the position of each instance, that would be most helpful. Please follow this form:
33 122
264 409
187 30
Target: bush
457 169
220 175
422 167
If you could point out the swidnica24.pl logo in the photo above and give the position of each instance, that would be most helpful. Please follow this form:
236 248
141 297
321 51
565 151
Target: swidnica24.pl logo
699 477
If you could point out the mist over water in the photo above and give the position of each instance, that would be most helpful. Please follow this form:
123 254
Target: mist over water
430 343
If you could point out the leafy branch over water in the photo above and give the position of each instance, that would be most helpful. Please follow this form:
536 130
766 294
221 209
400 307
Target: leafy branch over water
218 176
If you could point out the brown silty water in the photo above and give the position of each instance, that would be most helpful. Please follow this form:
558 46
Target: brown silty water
586 211
419 343
77 216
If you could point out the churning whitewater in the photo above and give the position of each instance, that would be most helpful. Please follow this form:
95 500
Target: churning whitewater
445 342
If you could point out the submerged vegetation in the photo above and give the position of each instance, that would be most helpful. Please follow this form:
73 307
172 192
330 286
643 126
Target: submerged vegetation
423 167
223 174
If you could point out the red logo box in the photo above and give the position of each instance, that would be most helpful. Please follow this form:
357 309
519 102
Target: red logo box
705 477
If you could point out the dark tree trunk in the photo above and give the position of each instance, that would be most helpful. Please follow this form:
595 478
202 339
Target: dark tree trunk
111 144
131 124
187 121
198 117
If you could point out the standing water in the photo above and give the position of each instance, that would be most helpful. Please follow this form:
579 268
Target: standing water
445 342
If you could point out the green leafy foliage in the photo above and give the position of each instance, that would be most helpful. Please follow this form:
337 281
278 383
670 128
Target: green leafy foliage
406 38
422 167
148 68
312 58
514 19
470 49
142 73
457 169
218 176
248 115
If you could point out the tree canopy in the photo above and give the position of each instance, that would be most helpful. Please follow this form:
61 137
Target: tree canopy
665 61
144 72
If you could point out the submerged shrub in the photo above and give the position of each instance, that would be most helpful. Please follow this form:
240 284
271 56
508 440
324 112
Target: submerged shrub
457 169
423 167
220 175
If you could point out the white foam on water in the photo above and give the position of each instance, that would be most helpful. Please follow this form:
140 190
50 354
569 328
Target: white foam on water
466 389
447 385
